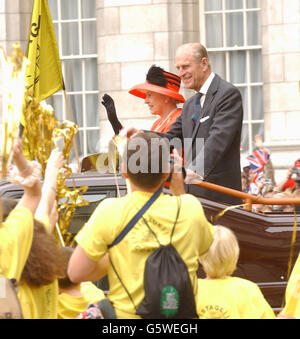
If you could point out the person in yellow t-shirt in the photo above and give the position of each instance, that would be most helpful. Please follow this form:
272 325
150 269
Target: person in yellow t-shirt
292 294
39 275
17 230
40 266
75 298
192 236
221 296
38 288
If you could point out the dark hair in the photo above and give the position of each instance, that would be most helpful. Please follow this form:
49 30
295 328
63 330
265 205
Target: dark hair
65 253
44 263
146 158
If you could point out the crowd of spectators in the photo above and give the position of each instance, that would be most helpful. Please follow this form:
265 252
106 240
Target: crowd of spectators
260 180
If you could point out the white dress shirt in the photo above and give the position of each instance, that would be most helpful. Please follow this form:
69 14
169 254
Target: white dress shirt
205 88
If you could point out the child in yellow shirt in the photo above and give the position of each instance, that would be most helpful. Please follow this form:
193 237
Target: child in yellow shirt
17 230
221 296
29 252
74 298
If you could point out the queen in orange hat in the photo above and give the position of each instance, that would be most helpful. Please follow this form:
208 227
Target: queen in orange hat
160 92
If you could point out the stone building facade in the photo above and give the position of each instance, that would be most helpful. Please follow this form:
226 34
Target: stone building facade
281 78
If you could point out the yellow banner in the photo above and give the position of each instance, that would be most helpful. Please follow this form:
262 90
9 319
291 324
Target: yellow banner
43 76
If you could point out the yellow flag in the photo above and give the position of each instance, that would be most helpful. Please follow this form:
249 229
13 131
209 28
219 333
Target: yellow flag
43 76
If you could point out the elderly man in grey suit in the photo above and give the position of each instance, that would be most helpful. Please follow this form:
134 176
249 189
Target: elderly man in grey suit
214 114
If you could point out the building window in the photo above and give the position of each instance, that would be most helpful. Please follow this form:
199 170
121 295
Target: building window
230 29
75 28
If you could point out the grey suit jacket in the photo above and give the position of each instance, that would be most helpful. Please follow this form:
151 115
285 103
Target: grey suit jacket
219 130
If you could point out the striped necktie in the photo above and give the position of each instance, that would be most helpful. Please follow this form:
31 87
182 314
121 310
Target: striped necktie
197 108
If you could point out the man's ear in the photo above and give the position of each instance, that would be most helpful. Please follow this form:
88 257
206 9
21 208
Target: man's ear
205 63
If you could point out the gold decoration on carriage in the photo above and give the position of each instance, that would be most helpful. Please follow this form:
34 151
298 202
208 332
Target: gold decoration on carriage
40 135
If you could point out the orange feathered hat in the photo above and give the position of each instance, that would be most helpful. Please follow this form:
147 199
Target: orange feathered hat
159 81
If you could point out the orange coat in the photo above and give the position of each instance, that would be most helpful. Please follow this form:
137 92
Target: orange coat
163 126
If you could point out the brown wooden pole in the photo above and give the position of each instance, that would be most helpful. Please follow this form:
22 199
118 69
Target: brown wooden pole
248 198
69 118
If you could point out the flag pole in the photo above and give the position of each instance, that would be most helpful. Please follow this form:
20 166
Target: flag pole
44 73
60 235
69 118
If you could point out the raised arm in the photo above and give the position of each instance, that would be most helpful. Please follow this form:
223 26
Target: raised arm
177 179
26 174
109 105
47 205
17 229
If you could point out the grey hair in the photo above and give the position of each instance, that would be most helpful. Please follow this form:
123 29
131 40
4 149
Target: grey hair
197 49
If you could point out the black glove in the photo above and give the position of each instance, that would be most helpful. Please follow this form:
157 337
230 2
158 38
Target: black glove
109 105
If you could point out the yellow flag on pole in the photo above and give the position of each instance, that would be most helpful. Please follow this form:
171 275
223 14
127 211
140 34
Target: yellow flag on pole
43 76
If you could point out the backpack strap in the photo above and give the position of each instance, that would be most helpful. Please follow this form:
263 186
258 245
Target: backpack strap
129 226
125 288
177 215
136 218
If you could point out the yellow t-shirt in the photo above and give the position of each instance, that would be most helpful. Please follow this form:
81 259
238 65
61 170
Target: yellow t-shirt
231 298
40 302
16 238
193 235
292 295
70 306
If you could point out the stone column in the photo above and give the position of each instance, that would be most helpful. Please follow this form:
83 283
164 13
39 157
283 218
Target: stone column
281 75
131 36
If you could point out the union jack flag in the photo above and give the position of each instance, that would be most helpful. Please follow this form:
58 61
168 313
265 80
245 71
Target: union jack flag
258 159
253 188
